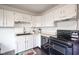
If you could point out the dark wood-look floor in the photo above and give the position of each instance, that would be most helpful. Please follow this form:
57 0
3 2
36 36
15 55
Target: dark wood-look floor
39 51
12 52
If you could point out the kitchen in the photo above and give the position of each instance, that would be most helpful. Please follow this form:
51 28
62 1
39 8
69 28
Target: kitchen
27 29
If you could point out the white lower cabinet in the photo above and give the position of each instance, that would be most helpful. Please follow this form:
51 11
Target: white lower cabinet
27 42
37 40
30 43
20 43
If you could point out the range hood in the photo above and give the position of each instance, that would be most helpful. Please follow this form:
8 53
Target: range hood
22 22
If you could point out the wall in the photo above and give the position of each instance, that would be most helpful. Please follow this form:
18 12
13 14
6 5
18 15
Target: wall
7 39
67 25
49 30
19 28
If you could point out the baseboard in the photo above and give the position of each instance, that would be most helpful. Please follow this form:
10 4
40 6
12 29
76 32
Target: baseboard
11 52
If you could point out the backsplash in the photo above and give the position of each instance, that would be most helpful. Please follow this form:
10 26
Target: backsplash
67 25
48 30
21 28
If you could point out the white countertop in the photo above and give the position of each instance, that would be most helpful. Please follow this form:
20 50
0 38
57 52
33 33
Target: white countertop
48 35
43 34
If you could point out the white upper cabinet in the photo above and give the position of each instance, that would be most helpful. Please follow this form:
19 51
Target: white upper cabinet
36 21
38 40
22 17
60 13
69 11
25 42
65 12
1 17
47 20
18 16
27 18
8 18
43 21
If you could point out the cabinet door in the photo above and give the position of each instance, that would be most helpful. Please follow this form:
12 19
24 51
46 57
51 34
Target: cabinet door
18 16
70 12
26 18
49 20
64 12
20 43
26 43
37 41
43 21
33 21
46 20
1 17
30 42
34 41
58 14
36 21
8 18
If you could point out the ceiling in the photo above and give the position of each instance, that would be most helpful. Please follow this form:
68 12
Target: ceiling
33 8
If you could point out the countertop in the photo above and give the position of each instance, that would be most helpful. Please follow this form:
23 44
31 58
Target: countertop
23 34
48 35
42 34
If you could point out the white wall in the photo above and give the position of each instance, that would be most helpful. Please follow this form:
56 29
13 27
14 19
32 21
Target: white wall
49 30
7 39
67 25
19 28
